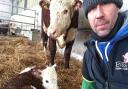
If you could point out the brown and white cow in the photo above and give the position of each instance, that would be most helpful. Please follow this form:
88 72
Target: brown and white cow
59 24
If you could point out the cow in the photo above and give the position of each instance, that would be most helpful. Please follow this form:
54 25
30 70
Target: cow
34 78
59 24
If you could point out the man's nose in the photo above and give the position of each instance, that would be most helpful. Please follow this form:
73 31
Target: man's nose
99 12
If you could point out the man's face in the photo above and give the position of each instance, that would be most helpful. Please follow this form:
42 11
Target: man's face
102 18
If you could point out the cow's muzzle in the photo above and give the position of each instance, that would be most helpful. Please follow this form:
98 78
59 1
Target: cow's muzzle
52 32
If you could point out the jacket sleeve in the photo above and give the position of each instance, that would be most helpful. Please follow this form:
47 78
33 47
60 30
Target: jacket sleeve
87 82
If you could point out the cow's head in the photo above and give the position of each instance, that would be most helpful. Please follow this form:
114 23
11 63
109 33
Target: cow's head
61 12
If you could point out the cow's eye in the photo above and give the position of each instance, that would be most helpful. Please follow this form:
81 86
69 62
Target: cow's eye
47 81
65 11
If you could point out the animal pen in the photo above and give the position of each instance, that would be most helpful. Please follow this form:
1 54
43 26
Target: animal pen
22 24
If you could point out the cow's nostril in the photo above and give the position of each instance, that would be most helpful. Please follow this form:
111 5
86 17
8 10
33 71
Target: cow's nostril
53 32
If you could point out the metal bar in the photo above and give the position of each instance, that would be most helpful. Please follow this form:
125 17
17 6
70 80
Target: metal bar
16 6
18 14
34 20
23 25
17 21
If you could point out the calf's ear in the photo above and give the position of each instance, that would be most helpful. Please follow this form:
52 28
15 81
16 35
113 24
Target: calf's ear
36 72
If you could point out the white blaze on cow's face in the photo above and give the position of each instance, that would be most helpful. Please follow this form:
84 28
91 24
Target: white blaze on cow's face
50 78
61 12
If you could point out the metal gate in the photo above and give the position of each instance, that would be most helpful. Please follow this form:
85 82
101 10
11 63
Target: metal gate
22 21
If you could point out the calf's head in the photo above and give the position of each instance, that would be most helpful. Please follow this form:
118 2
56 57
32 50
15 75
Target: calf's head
61 12
48 76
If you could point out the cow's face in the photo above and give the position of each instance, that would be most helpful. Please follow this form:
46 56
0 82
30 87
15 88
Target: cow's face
50 77
61 12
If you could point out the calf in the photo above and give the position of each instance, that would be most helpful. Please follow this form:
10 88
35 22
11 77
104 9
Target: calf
59 24
34 78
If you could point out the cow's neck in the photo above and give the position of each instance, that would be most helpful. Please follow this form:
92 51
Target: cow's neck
74 22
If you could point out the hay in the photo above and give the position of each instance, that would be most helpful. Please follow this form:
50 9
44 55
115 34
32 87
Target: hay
16 53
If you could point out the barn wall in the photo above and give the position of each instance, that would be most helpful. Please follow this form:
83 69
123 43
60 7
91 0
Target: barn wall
83 23
30 16
35 20
125 5
5 8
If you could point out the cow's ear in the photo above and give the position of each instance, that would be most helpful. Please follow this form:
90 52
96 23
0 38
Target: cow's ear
44 2
77 4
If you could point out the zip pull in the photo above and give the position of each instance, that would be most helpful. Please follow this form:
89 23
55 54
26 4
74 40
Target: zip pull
106 85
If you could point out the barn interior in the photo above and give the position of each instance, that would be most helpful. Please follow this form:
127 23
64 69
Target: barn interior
22 47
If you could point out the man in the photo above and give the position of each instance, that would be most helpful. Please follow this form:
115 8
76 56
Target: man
105 62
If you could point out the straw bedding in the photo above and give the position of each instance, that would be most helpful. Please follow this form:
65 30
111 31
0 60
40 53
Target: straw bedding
16 53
